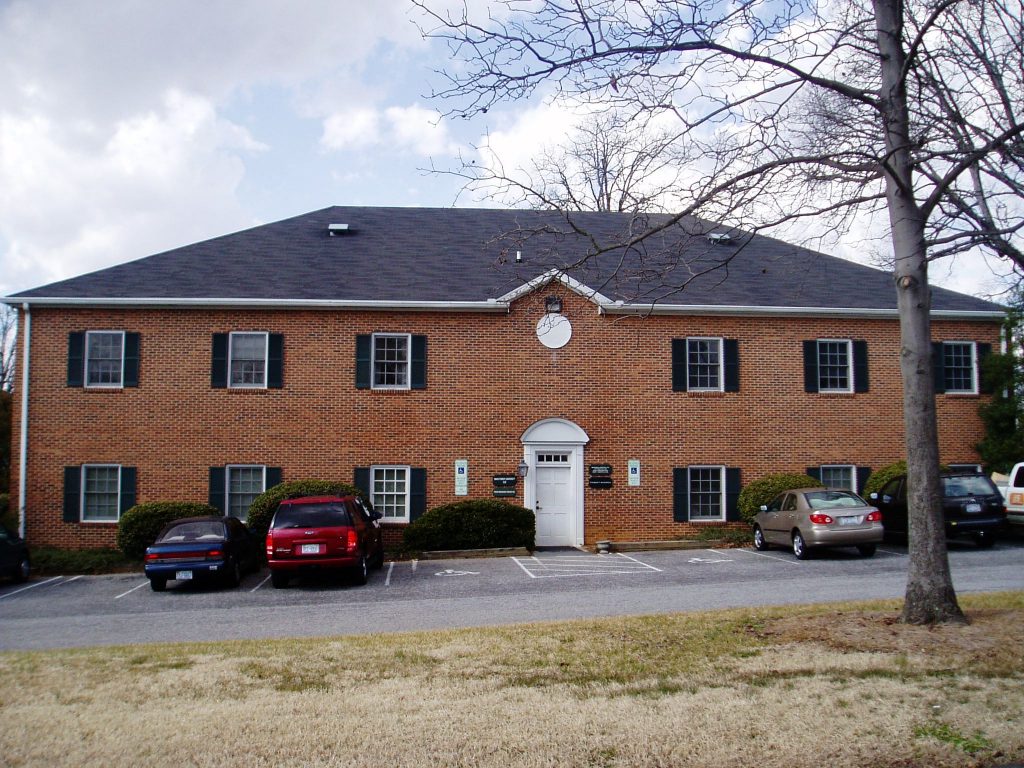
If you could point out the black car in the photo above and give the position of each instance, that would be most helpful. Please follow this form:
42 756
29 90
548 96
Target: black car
14 560
194 548
971 504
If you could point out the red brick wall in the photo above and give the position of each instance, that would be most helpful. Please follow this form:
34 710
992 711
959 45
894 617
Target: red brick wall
488 380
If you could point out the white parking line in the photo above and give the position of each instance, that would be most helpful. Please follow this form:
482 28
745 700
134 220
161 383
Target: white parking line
140 586
387 579
525 569
73 578
260 584
645 565
791 561
561 566
890 552
31 586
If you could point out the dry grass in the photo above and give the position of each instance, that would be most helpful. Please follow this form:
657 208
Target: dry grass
828 686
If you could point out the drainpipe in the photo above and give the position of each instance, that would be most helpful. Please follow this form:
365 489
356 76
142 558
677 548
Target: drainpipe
26 314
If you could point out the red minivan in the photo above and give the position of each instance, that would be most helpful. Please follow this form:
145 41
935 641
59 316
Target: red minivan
317 533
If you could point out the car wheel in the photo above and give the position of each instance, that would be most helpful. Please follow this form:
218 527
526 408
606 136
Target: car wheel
23 570
984 539
378 561
361 572
157 584
233 574
866 550
279 579
759 543
800 549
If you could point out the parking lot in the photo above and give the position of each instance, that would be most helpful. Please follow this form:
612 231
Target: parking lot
74 610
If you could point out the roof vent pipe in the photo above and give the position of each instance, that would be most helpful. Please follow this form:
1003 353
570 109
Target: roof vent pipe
519 257
719 238
337 229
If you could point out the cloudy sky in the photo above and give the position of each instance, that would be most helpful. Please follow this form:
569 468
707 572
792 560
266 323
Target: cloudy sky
128 127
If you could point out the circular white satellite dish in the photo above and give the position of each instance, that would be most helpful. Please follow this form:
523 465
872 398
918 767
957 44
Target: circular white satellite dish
554 330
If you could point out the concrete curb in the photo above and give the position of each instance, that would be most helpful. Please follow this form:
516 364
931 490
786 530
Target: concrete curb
454 554
643 546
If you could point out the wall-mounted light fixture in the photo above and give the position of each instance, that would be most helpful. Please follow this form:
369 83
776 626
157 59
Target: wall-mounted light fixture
523 468
553 304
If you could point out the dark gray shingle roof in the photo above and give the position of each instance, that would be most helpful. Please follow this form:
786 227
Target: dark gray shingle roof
469 255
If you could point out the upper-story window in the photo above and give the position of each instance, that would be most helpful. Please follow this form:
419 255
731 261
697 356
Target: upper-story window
959 367
247 354
835 365
705 364
839 476
103 359
391 361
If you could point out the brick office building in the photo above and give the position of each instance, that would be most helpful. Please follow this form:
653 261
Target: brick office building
435 354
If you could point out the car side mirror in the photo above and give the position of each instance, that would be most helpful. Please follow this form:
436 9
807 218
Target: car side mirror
887 499
376 515
764 507
873 496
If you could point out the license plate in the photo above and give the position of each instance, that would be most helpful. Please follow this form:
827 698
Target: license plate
973 508
309 549
183 575
851 520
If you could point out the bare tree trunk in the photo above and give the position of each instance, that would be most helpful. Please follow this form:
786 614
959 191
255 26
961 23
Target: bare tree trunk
930 597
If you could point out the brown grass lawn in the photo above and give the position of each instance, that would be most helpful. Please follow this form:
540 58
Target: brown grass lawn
812 686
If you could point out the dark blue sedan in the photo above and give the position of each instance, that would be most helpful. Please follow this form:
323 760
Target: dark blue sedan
195 548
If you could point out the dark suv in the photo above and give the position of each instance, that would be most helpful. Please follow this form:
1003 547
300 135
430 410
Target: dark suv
322 533
971 504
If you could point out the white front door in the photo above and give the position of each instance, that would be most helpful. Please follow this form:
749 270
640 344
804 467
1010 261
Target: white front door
556 503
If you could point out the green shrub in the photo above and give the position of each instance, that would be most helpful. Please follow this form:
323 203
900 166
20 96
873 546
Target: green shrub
140 525
882 476
472 524
265 505
54 561
767 488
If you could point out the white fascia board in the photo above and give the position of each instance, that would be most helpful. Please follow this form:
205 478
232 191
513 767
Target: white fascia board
621 308
547 277
489 305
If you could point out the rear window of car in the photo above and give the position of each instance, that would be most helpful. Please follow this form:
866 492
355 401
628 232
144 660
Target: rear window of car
830 499
967 485
192 532
312 516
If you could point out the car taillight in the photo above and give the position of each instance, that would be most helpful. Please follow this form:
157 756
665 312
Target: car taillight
820 518
874 516
151 556
351 540
214 554
270 544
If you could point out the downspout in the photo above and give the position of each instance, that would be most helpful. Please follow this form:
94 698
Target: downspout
26 314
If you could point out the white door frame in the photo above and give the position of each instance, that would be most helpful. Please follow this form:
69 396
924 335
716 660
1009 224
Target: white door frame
556 436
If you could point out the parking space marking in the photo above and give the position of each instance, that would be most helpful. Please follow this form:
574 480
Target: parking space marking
265 580
890 552
387 579
771 557
73 578
31 586
140 586
562 566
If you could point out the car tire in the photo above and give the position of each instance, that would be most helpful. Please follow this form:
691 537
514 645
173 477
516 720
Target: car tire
23 571
361 572
157 584
378 561
800 549
279 579
759 542
984 539
867 550
233 573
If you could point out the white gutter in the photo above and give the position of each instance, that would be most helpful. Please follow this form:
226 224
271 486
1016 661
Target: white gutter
23 438
621 308
488 305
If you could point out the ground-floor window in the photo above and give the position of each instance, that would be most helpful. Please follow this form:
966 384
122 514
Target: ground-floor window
244 484
707 493
101 493
390 492
839 476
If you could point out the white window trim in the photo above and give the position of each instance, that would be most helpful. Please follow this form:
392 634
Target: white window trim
81 495
853 474
85 362
964 467
408 361
227 483
849 365
974 367
266 358
721 364
408 490
689 492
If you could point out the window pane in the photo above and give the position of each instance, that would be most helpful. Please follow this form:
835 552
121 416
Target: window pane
390 361
833 365
248 359
706 492
100 497
837 477
390 491
103 359
958 366
244 485
703 363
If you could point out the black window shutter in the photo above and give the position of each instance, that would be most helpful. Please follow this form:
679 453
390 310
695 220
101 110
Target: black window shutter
275 361
219 366
361 481
418 379
76 361
417 493
131 359
732 365
218 483
272 477
984 385
72 494
814 472
680 494
732 493
939 367
679 365
863 473
860 366
127 488
811 366
363 356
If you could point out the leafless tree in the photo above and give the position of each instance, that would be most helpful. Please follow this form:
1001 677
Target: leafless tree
802 109
8 346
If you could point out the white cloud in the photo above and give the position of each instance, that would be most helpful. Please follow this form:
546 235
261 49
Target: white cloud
355 129
415 129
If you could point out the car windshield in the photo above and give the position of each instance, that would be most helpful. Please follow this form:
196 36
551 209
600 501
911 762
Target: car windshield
311 516
967 485
205 530
833 499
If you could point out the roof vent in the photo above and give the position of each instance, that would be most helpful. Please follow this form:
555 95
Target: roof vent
719 238
337 229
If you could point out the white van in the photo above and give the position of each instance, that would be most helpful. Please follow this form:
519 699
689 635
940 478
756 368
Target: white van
1014 495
